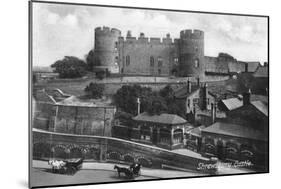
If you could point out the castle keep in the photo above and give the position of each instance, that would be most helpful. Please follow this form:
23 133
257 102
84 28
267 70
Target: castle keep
183 56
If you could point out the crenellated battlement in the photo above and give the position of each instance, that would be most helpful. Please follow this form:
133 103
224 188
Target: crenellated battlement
107 31
146 40
193 34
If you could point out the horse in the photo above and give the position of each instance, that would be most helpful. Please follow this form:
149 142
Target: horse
56 164
135 168
128 173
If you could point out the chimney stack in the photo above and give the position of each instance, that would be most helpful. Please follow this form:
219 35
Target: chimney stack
213 112
247 98
246 67
138 101
188 86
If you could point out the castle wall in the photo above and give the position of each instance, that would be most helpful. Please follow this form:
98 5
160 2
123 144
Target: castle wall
141 51
185 55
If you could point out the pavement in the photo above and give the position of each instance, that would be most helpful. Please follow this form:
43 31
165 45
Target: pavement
147 172
97 172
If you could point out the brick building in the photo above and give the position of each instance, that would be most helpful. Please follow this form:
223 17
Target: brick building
164 130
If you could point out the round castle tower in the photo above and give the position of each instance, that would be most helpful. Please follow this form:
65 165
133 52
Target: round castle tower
106 48
191 53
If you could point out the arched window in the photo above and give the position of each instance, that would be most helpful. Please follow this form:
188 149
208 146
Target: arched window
127 60
165 136
151 61
178 136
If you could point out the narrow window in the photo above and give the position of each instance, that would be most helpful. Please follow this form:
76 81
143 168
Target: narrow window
151 61
127 60
116 60
196 63
115 46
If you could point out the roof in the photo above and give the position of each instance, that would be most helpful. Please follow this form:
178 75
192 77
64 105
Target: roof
182 92
235 130
262 71
197 131
77 101
162 118
253 66
261 106
262 98
232 103
42 96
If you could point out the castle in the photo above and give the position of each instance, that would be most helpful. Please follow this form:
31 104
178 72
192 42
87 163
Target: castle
183 56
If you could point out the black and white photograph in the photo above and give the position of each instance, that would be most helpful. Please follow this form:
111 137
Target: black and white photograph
126 94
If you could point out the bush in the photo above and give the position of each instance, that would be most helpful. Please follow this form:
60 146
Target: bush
94 90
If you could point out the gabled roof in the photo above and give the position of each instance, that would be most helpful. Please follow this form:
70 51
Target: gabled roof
261 106
262 71
42 96
232 103
162 118
235 130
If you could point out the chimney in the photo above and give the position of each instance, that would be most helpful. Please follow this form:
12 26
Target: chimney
198 81
213 112
247 98
194 113
188 86
205 95
141 35
129 33
138 102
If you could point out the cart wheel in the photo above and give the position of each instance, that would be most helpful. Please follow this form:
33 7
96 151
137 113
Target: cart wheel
71 170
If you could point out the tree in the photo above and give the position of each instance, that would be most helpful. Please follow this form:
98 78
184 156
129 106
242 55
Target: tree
126 98
174 106
70 67
92 61
94 90
156 105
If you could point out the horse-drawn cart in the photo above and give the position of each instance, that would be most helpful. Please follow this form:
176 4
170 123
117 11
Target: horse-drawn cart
68 166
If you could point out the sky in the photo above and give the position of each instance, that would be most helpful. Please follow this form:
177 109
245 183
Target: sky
68 30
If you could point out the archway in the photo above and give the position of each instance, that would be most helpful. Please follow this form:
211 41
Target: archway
231 151
76 153
246 152
60 152
210 147
178 136
220 149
